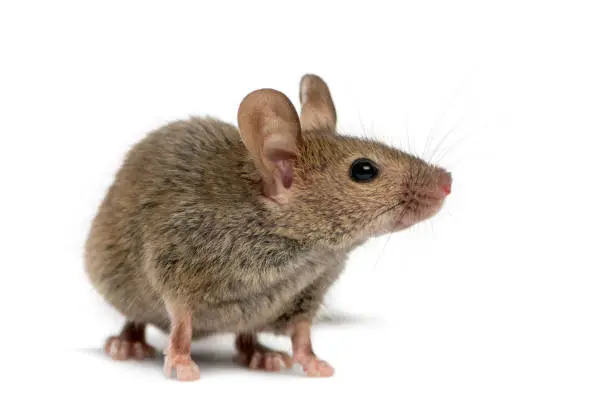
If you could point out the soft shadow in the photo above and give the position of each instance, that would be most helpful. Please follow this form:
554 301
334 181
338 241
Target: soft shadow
99 353
344 319
214 354
208 361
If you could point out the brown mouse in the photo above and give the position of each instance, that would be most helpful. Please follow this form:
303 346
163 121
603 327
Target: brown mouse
209 228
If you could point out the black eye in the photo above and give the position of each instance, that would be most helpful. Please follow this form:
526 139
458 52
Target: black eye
363 170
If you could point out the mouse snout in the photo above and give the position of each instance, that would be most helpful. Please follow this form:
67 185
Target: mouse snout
444 181
424 196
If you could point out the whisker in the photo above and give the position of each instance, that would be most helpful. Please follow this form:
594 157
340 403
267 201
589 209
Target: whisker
395 224
364 133
428 142
442 116
411 146
388 209
444 138
450 102
382 251
450 148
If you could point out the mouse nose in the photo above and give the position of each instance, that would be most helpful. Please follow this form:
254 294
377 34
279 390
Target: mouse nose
445 181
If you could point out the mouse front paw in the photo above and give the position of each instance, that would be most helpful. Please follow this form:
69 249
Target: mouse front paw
183 366
313 366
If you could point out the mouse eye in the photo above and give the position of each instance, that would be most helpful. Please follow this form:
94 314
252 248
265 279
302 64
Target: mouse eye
363 170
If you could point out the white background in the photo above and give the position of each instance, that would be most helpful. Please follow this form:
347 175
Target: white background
503 298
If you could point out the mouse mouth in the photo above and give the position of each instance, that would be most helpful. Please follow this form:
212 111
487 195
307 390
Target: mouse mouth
418 206
410 216
406 213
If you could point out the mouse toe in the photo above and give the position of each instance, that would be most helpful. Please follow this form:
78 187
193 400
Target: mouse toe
119 348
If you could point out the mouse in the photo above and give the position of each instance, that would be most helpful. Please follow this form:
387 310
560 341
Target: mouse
210 227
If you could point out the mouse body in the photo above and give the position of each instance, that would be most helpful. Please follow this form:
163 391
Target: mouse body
211 228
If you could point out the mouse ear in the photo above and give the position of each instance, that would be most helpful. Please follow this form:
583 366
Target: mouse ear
270 129
318 111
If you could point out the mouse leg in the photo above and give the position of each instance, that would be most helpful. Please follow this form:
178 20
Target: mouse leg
254 355
178 355
303 353
130 343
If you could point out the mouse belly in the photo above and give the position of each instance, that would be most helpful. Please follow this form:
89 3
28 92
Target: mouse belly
258 313
247 315
274 311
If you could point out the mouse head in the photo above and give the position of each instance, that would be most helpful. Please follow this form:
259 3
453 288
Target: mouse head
328 188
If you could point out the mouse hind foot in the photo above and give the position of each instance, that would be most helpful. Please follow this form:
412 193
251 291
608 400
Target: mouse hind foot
129 344
254 355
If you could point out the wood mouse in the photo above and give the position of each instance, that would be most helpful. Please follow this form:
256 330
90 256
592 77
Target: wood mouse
208 228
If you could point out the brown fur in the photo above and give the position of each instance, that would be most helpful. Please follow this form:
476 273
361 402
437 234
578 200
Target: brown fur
186 222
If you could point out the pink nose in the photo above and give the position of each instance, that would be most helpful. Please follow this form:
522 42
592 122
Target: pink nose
445 181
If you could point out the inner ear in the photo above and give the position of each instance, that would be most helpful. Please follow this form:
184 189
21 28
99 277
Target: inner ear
318 110
270 129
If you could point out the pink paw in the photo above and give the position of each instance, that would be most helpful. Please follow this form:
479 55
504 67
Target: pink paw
122 349
186 369
267 360
313 367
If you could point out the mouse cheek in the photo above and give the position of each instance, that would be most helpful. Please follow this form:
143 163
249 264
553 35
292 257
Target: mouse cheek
408 219
430 210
